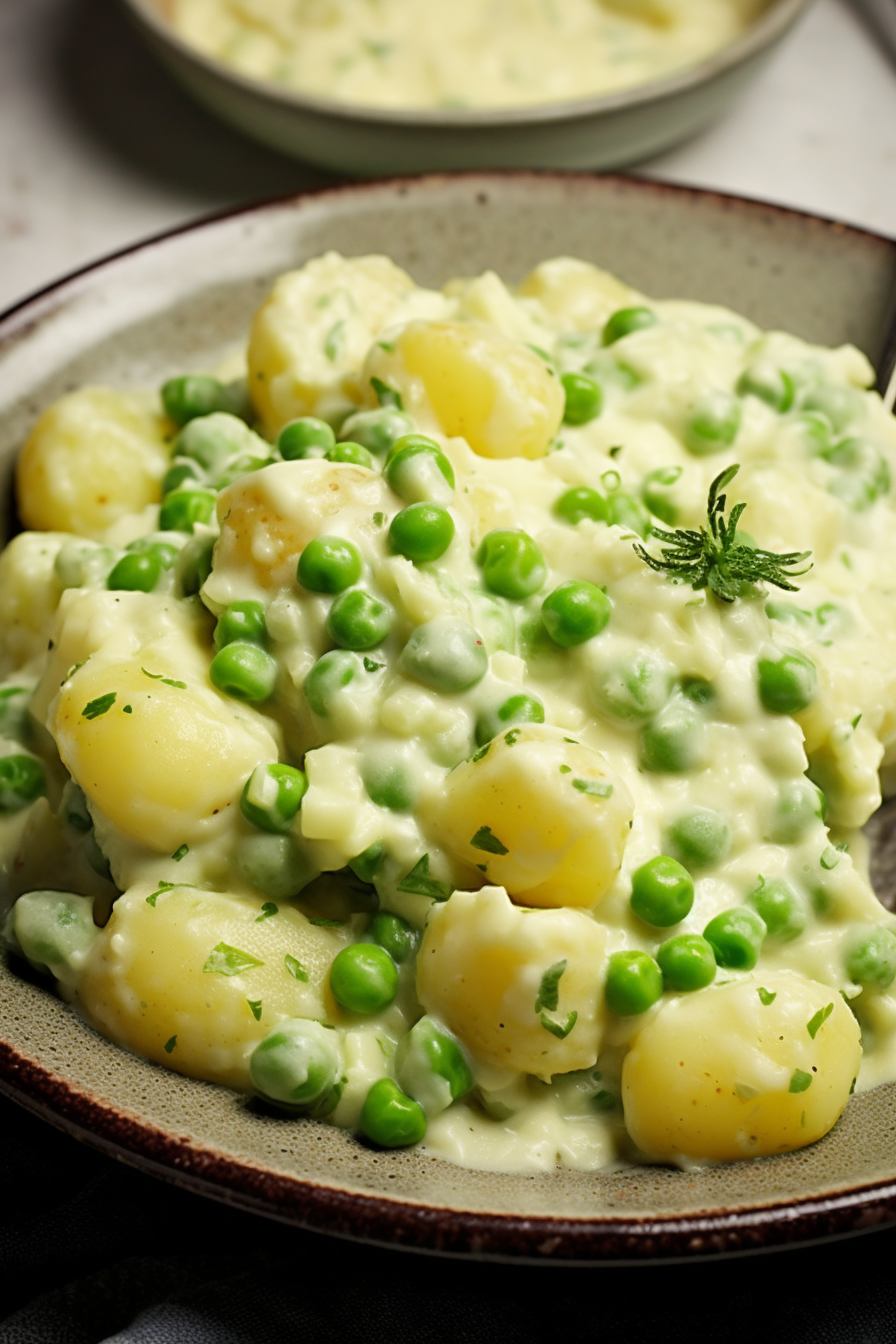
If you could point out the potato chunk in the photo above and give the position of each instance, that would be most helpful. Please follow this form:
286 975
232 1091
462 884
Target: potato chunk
29 593
756 1066
159 757
481 386
195 979
481 967
93 457
542 815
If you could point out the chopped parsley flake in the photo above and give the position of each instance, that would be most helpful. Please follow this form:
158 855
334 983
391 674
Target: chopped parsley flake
766 996
169 1044
511 737
829 859
182 850
549 990
559 1029
800 1081
333 341
166 681
127 709
595 788
379 518
255 1008
101 705
227 960
370 665
268 909
814 1025
419 882
386 395
485 839
160 891
327 923
295 968
566 769
483 752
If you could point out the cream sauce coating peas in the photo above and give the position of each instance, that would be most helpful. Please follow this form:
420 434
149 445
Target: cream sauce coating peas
421 791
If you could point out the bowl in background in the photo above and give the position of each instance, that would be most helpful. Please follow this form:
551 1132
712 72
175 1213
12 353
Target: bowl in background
601 132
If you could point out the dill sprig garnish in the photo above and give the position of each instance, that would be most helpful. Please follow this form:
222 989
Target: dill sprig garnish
715 559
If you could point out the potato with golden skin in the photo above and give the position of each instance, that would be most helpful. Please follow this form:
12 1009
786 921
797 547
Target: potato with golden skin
480 969
195 979
94 457
479 384
540 814
760 1065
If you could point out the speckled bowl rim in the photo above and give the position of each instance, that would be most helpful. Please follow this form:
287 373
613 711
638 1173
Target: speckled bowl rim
771 24
607 1239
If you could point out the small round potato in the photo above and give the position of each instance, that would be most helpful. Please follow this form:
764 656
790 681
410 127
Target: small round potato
756 1066
481 969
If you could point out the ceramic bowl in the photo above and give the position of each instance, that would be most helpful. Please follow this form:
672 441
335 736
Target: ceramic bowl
179 302
601 132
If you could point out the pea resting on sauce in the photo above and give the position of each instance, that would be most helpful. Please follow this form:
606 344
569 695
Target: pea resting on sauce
504 53
451 799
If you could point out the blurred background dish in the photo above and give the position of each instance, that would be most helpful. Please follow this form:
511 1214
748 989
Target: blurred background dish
181 301
604 130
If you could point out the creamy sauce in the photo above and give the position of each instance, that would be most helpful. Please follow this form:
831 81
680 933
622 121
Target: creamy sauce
474 53
489 756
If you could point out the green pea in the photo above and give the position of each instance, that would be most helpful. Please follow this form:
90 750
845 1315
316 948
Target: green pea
276 865
865 476
432 1066
377 430
634 983
396 935
54 930
662 892
838 405
581 501
422 532
771 384
358 620
871 958
14 702
799 805
626 320
364 978
417 470
180 472
655 492
365 866
241 466
304 438
515 709
297 1064
623 510
329 565
245 671
183 510
713 424
446 654
687 962
735 937
22 779
787 683
699 838
347 451
137 573
672 742
330 675
163 551
574 612
194 563
195 394
390 1118
698 690
243 620
779 907
633 690
212 440
584 398
273 795
511 563
387 781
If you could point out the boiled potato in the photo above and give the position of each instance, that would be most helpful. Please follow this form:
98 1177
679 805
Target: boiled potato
540 814
478 383
310 336
29 592
93 457
195 979
576 295
481 967
756 1066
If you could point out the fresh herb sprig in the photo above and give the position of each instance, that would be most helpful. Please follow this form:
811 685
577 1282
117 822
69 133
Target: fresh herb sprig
713 558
